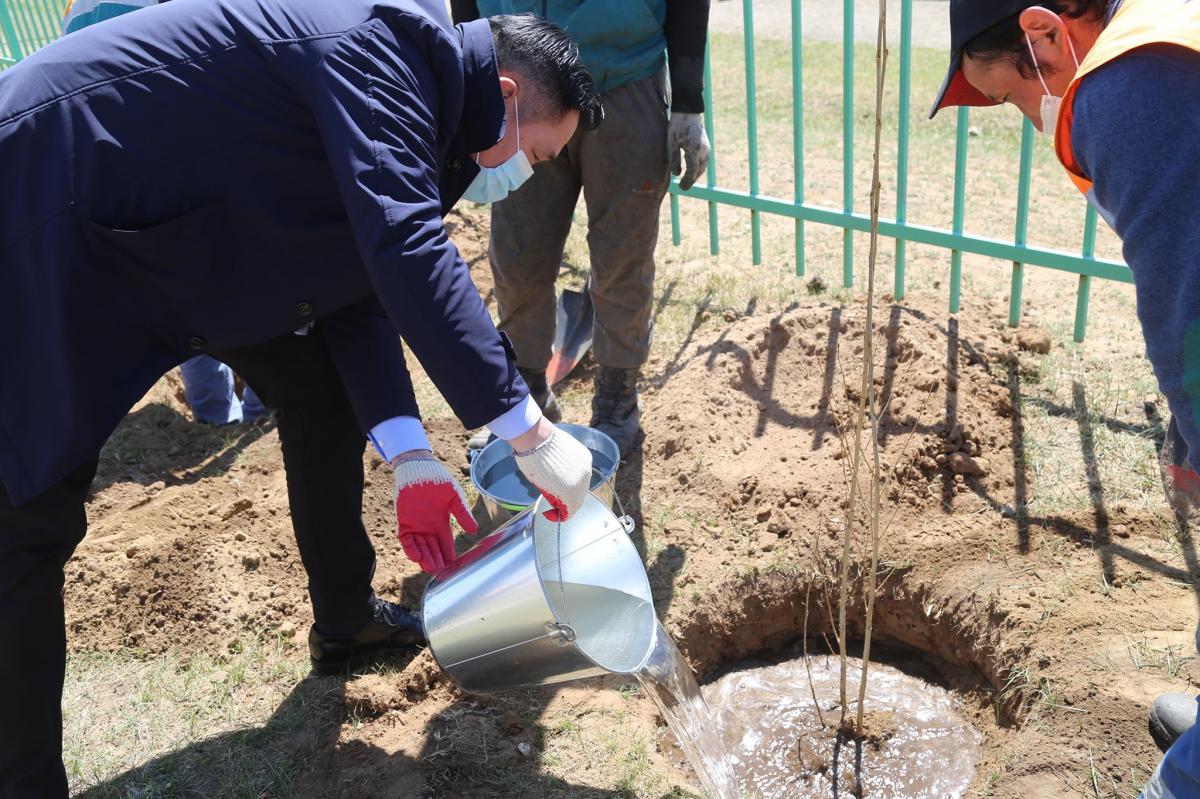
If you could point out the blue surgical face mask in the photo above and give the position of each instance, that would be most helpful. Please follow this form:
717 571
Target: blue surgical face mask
494 183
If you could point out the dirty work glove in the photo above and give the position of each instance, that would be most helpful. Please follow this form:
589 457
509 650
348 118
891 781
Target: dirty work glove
1182 485
686 132
1180 482
426 497
561 468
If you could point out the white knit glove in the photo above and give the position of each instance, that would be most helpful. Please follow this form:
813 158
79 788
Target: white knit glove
427 496
686 132
561 468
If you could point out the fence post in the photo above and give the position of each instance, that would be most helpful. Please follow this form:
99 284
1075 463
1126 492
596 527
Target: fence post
848 138
676 235
1083 293
752 128
10 33
798 129
714 241
960 190
902 145
1018 269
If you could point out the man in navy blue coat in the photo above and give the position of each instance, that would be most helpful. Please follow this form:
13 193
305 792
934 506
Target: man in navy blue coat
302 151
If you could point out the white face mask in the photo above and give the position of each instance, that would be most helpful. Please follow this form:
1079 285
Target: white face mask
1051 104
494 183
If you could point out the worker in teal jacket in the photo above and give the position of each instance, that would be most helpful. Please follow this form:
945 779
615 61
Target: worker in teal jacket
622 167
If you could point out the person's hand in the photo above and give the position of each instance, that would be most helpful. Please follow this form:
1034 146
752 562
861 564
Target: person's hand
1180 482
426 497
1183 488
686 132
558 466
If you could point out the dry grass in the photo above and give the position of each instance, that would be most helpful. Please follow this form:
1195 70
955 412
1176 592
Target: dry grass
179 724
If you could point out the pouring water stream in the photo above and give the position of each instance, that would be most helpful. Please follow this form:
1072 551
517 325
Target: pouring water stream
671 683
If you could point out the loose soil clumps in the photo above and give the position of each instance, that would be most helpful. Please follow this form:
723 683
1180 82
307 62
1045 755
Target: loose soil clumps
740 493
758 421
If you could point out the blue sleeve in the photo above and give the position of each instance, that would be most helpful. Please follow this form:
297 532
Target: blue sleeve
1137 136
376 107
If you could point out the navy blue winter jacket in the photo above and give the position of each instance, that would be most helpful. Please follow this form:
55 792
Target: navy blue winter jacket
210 174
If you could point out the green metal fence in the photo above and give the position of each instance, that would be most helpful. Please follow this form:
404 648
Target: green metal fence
26 25
957 240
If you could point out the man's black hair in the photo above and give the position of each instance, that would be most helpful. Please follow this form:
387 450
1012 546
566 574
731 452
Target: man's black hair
547 58
1005 41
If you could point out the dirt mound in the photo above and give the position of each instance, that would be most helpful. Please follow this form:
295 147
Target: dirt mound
746 469
739 492
202 556
758 421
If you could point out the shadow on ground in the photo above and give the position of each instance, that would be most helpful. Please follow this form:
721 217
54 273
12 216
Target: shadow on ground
466 750
157 442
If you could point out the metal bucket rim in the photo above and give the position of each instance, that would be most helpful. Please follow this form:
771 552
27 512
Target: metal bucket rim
507 504
550 606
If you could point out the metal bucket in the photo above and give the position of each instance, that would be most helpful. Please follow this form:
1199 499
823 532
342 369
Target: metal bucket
504 491
512 613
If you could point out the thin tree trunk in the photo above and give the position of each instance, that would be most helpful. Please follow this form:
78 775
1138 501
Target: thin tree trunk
869 362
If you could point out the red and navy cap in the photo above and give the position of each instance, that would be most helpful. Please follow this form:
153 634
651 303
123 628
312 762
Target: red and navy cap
968 19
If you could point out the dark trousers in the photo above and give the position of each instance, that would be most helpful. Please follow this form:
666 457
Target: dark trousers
322 453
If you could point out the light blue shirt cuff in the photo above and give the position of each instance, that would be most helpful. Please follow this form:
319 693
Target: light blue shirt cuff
398 434
517 420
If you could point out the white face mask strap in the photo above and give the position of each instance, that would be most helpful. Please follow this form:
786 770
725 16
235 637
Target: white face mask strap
1032 55
517 114
1071 44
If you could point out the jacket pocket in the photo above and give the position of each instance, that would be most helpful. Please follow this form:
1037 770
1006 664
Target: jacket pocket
189 238
164 271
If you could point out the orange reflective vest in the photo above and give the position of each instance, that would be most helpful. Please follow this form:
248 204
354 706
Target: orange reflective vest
1138 23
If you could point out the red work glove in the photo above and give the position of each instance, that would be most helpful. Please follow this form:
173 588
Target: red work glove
1180 482
426 497
1183 490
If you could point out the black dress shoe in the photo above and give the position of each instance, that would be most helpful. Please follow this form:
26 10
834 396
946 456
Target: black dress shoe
392 628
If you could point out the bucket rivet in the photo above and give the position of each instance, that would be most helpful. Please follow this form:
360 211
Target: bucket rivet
565 633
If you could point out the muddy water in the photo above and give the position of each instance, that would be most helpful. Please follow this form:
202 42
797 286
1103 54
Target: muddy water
670 682
919 745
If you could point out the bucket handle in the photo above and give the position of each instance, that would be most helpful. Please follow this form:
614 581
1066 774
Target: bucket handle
625 520
565 633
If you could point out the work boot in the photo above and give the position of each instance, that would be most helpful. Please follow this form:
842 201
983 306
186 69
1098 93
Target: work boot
392 628
1171 715
616 409
541 392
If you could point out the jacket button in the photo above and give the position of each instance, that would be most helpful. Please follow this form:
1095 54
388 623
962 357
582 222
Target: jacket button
304 309
453 163
197 343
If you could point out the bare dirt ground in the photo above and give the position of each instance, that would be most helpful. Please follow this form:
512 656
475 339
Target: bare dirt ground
1055 628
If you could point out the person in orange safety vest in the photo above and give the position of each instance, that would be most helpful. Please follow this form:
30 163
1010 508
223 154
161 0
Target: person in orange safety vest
1113 84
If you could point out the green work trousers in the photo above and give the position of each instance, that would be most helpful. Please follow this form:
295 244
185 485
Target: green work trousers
622 169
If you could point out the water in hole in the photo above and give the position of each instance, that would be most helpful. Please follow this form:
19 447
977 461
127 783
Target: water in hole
918 745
